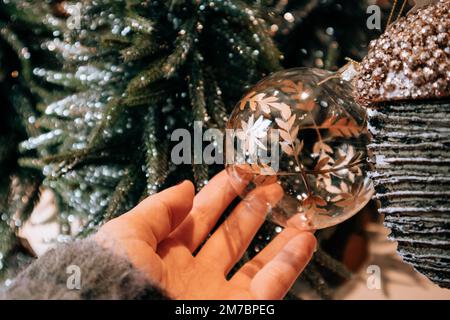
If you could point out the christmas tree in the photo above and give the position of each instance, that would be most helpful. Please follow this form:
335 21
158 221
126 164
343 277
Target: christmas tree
24 26
97 88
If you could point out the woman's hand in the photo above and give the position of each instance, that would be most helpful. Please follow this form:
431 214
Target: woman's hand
160 235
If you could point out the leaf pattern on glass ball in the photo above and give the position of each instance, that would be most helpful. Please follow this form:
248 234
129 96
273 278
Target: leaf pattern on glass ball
298 94
350 197
262 170
322 147
346 166
265 103
313 204
313 199
288 132
289 86
343 127
285 146
348 161
249 98
321 163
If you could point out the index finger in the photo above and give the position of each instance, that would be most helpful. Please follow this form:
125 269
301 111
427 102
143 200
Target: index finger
275 279
209 204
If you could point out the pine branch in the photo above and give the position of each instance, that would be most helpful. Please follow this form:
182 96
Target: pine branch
146 98
114 41
241 14
197 95
156 154
167 66
142 47
111 115
147 77
197 90
215 105
120 201
140 24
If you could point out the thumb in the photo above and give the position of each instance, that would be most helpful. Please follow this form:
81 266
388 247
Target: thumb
161 213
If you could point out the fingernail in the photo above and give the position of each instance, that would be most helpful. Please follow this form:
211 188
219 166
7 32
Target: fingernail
316 248
181 182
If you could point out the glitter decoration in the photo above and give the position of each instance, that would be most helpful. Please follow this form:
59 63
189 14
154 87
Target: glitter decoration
311 121
405 82
410 60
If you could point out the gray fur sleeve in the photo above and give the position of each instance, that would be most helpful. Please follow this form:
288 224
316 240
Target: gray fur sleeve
81 270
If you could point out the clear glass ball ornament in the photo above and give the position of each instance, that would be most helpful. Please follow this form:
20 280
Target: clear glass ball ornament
301 130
